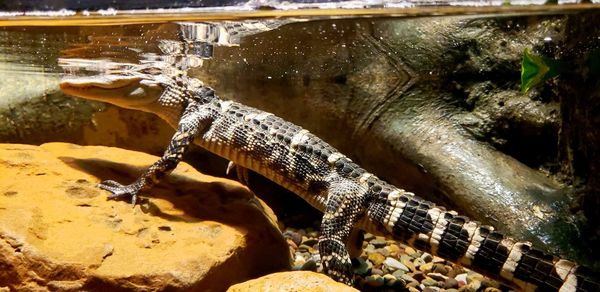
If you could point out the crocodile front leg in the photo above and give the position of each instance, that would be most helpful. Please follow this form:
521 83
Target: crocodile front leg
193 121
343 208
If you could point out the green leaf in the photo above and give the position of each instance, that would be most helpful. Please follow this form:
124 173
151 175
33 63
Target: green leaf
533 71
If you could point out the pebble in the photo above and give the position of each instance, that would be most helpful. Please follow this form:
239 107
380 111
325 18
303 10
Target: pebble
461 277
382 251
375 280
309 241
410 251
362 268
413 284
395 264
439 268
474 278
369 248
438 260
376 259
426 257
378 243
295 237
386 265
425 268
408 278
419 276
369 236
429 282
299 261
409 265
472 287
388 278
394 249
292 244
437 276
450 283
310 265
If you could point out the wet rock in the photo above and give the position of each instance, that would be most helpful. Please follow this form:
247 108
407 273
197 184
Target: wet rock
292 281
395 264
375 281
310 265
59 221
450 283
378 242
376 259
295 237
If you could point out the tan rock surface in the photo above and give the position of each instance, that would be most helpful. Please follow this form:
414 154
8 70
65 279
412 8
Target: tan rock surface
59 232
304 281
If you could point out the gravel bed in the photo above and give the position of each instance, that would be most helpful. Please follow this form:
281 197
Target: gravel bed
387 265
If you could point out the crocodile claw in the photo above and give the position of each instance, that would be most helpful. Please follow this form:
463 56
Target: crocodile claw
119 191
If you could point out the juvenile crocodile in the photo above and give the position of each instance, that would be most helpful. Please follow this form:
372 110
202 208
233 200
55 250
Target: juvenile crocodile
349 196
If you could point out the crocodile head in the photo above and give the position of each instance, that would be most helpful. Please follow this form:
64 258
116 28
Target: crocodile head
132 92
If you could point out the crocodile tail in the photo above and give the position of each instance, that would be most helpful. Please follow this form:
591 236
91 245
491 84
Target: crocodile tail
456 238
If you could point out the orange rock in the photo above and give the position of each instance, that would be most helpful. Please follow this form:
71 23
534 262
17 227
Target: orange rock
292 281
59 232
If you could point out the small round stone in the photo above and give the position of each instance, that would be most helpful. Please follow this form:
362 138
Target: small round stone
410 251
398 274
426 257
419 262
361 267
378 243
382 251
450 283
429 282
409 265
310 265
293 236
376 259
461 277
419 276
439 268
437 276
375 281
394 249
395 264
377 272
425 268
309 241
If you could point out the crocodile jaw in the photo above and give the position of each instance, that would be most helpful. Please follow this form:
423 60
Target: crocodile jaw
125 91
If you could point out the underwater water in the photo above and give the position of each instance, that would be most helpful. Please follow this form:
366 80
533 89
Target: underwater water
470 108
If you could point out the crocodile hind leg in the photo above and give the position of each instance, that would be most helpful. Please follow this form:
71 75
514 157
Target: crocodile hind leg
193 121
343 208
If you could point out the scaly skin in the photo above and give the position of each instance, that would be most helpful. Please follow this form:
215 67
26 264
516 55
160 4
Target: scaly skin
349 196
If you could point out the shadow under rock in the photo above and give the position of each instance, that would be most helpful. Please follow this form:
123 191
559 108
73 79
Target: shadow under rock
223 202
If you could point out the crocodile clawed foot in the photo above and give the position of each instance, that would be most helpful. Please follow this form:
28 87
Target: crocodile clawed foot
120 191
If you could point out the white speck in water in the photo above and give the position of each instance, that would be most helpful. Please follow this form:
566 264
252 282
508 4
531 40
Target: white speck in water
547 39
269 77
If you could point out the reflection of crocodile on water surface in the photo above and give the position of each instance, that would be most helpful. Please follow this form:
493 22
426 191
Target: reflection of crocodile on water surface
304 164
